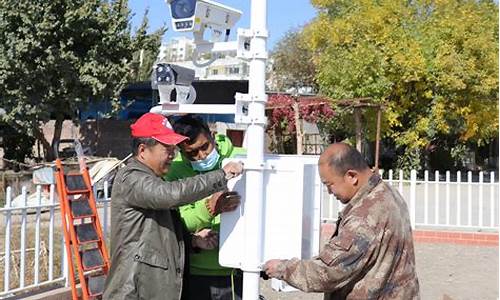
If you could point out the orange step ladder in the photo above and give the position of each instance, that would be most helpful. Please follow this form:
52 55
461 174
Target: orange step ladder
82 230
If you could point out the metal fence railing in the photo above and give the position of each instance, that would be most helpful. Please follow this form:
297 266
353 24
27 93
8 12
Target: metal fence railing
33 253
442 200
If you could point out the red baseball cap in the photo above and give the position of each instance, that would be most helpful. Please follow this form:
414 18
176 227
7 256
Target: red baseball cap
157 127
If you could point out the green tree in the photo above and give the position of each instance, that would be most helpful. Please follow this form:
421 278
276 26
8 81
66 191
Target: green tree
434 64
58 56
292 63
16 143
146 56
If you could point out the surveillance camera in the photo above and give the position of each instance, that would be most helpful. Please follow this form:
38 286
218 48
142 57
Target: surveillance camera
172 74
168 77
196 15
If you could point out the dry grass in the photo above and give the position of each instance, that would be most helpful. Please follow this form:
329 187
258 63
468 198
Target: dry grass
44 255
44 252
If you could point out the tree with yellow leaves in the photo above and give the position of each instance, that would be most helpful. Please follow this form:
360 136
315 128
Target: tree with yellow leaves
434 64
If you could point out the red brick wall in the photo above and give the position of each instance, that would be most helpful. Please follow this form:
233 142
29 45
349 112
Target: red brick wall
434 236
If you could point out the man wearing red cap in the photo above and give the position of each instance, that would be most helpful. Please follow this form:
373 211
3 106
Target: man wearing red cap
147 244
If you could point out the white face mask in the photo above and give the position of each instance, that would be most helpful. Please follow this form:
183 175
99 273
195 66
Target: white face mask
208 163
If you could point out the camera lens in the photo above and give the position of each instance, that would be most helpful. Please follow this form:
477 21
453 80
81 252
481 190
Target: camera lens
182 9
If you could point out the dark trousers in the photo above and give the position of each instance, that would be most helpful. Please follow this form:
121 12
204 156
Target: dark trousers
213 287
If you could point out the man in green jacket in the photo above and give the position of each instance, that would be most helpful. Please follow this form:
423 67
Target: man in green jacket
201 153
147 237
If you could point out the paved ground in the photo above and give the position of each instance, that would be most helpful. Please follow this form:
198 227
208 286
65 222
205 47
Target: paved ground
446 272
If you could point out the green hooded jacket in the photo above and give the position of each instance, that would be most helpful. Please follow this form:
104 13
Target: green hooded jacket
196 216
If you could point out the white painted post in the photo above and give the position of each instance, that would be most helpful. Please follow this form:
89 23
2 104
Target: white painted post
255 152
492 199
8 228
400 185
51 234
391 176
331 203
481 199
436 197
64 265
23 239
459 198
37 234
469 198
448 198
426 197
105 207
413 190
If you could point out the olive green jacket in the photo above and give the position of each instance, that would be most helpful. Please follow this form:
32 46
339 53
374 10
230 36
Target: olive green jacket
147 247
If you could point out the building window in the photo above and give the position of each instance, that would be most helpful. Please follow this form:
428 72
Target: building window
234 70
215 72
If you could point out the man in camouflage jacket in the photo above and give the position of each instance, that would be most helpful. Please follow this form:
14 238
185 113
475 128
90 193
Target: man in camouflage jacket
371 254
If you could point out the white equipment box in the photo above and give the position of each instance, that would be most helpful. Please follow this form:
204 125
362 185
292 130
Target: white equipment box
292 199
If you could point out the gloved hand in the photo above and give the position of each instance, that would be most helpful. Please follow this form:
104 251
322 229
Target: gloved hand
223 202
206 239
233 169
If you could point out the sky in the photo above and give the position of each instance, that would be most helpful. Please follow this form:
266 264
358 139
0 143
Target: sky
282 15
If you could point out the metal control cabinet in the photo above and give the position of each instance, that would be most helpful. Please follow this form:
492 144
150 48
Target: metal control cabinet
292 200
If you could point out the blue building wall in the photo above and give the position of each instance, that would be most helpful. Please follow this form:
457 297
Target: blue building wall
138 98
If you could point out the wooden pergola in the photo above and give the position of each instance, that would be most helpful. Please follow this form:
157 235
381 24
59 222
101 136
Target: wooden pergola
297 102
358 104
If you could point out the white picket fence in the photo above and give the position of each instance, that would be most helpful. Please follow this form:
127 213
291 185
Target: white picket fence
464 203
33 253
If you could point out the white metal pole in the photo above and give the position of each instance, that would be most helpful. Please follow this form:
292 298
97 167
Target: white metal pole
37 235
481 198
426 197
469 198
23 238
105 210
413 191
255 152
492 199
51 233
436 197
8 228
459 197
448 198
400 185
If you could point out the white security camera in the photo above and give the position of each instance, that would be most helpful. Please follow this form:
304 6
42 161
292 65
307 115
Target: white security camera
168 77
196 15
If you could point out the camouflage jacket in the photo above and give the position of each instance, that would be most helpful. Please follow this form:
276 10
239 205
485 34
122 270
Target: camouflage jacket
370 255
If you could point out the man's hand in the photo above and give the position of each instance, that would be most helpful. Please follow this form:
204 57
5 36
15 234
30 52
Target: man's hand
223 202
206 239
274 268
233 169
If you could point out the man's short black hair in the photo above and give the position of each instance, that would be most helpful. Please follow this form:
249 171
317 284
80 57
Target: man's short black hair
347 159
149 142
191 126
